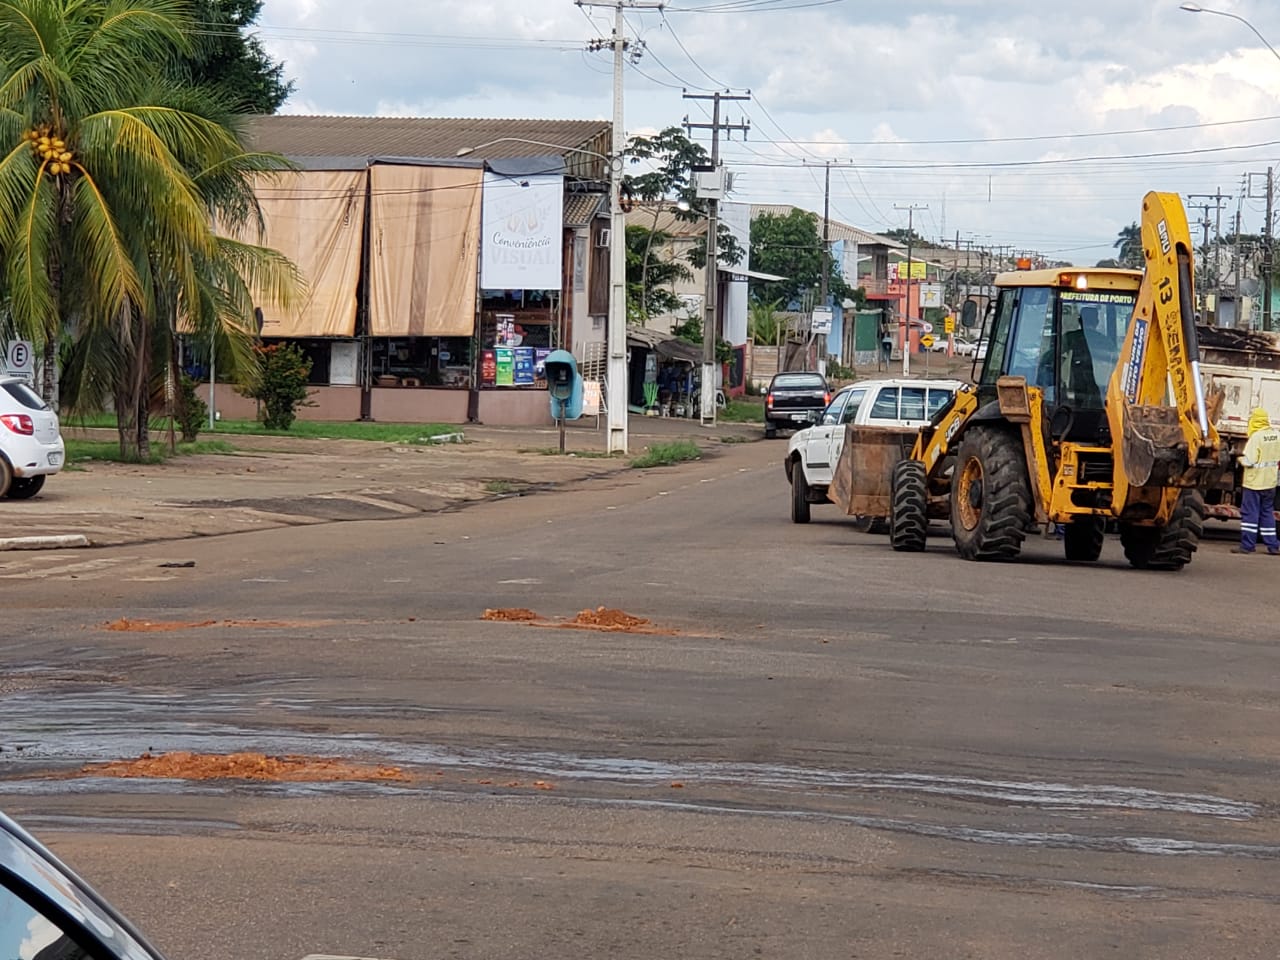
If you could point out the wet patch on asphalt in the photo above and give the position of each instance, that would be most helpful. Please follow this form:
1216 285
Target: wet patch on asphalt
49 745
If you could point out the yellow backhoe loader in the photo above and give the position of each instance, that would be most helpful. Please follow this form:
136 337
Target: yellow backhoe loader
1088 408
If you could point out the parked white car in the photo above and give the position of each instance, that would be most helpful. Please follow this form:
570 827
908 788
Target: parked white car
30 444
970 348
813 453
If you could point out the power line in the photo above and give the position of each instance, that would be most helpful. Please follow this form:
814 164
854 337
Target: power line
886 164
1034 139
674 36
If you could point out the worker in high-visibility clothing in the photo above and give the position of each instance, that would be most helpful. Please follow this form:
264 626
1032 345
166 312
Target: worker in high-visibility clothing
1261 460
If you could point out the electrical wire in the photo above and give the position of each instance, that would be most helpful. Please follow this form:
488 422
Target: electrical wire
719 84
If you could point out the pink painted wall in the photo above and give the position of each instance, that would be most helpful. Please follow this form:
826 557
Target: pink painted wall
418 405
400 405
515 408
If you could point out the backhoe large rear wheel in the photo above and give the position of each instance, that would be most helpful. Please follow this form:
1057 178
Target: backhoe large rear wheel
1082 539
1169 547
909 517
990 495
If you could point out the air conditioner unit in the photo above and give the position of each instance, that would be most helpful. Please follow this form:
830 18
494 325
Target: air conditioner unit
604 237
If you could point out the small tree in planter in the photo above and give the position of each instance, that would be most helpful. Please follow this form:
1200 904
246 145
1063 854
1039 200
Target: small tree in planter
193 412
282 386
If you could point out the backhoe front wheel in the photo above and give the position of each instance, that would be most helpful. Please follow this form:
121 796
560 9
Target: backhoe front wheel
1169 547
1082 539
990 495
909 518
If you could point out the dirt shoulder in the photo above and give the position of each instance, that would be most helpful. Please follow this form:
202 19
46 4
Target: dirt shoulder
281 481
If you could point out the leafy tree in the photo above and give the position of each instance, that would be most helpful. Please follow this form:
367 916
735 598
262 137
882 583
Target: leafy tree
282 385
669 184
790 246
902 235
1129 245
234 64
765 323
1108 262
111 176
650 274
691 331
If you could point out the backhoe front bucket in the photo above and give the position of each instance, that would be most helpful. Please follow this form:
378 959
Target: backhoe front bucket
1155 449
862 483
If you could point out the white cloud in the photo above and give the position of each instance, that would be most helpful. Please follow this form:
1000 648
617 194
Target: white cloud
40 933
892 74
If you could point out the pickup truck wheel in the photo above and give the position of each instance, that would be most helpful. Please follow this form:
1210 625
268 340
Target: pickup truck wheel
1169 547
1082 539
799 495
909 519
770 431
24 488
990 495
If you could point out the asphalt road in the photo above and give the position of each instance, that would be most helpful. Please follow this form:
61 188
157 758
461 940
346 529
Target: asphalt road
832 750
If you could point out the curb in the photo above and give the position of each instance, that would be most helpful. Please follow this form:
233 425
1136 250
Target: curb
44 543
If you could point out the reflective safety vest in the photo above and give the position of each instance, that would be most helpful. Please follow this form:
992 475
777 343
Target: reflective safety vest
1262 459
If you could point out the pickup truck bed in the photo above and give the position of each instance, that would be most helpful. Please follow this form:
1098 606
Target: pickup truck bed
794 400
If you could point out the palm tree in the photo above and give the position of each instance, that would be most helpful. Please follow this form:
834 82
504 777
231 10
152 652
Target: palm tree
1129 243
111 180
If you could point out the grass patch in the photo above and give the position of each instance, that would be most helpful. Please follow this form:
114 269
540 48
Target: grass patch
665 454
502 486
748 410
401 433
86 451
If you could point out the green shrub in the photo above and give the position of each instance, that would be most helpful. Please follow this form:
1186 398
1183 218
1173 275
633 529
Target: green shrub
193 413
282 387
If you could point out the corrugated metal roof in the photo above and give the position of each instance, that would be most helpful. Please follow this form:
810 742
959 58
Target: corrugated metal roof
667 221
581 208
836 229
423 137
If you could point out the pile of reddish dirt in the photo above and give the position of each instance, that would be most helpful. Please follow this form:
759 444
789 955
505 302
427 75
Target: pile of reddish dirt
511 615
183 765
608 619
125 625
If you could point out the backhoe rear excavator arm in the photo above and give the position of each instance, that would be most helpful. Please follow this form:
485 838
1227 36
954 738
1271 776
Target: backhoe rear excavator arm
1157 445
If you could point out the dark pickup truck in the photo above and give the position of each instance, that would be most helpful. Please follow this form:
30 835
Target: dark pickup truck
794 401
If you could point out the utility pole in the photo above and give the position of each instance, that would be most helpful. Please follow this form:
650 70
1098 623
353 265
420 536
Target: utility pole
911 209
1267 256
616 329
826 236
1218 198
711 314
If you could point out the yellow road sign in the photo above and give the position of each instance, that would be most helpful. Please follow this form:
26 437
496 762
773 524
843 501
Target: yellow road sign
949 325
927 341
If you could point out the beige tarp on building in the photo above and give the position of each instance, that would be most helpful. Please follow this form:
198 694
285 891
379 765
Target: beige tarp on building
316 219
424 250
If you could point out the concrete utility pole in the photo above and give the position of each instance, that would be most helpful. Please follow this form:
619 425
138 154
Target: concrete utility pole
1268 262
1218 198
710 316
911 209
616 336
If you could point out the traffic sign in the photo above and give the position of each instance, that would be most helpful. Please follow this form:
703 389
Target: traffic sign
927 341
949 325
19 359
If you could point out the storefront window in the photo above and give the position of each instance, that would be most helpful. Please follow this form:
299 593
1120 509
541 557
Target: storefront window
421 361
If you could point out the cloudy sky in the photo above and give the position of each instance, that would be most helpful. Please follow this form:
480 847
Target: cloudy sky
1037 125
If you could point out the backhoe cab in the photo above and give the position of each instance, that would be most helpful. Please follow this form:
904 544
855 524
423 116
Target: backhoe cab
1088 408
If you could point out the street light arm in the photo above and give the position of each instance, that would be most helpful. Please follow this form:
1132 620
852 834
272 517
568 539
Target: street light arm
1196 8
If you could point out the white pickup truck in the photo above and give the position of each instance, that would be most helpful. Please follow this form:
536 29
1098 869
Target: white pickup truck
813 453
